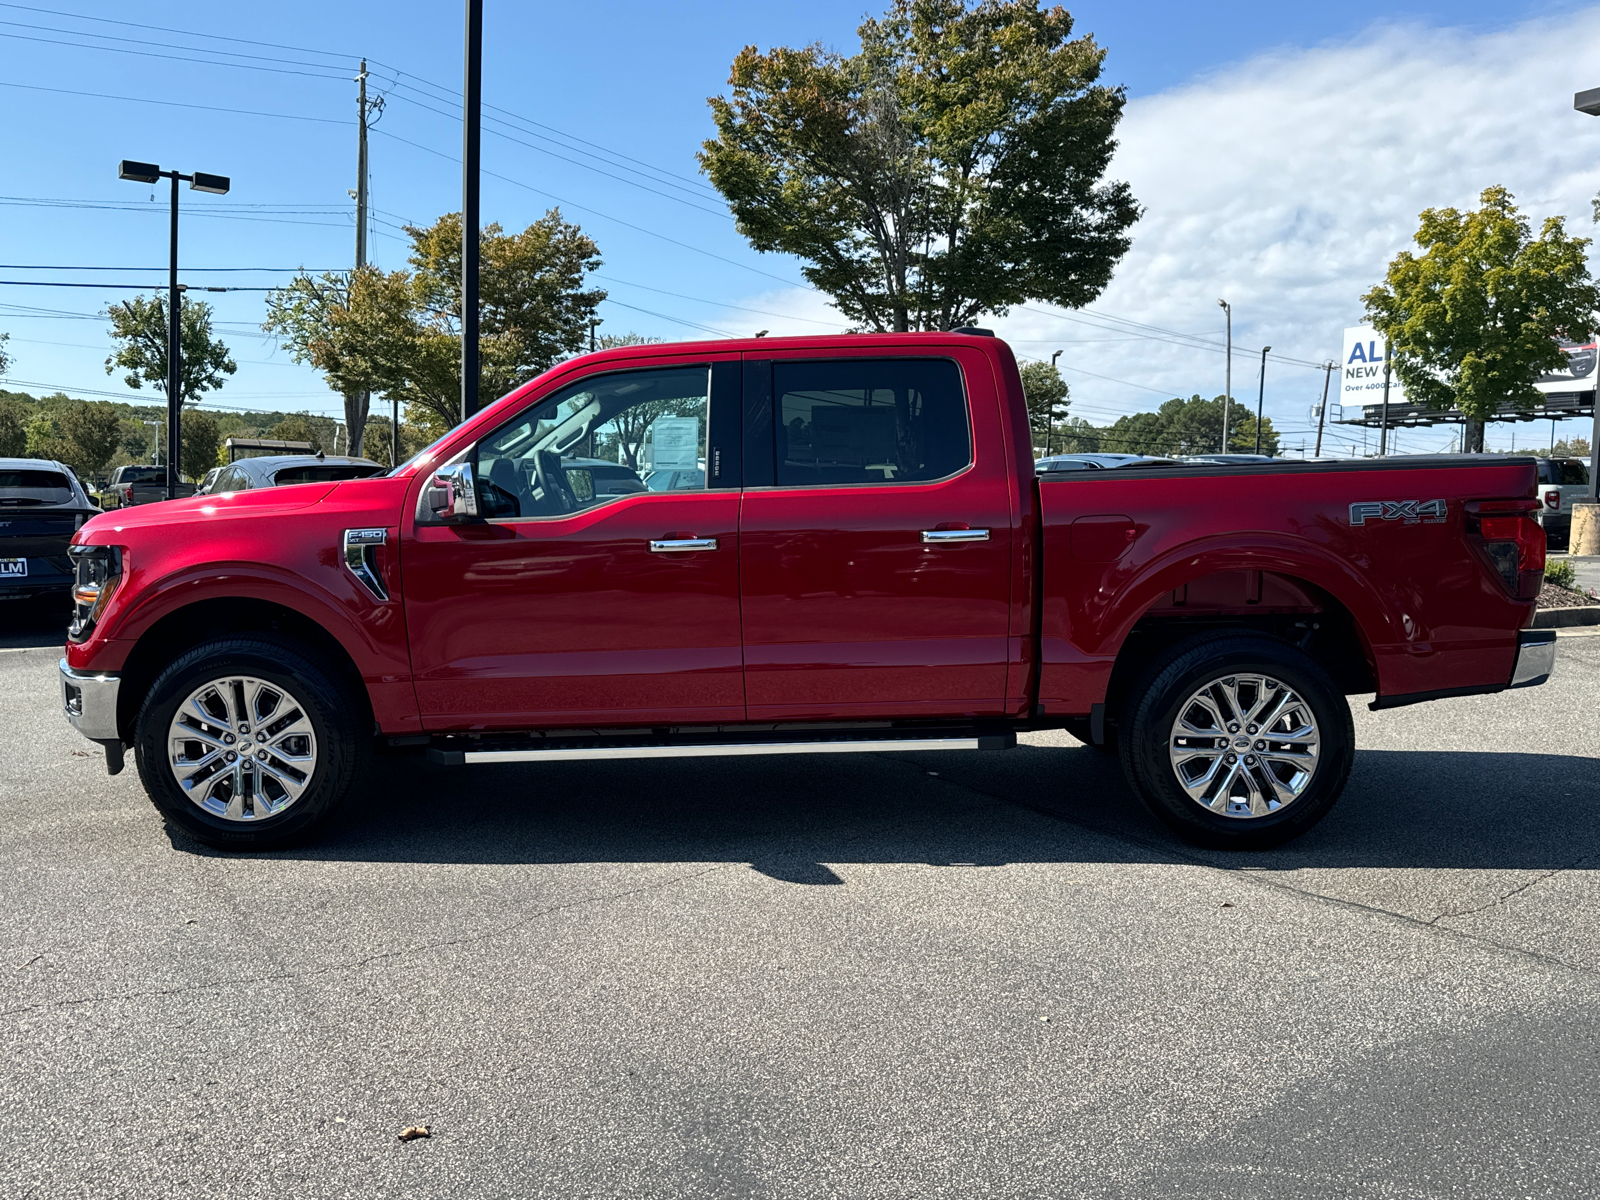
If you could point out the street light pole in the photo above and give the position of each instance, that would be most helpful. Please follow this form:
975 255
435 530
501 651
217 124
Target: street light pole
217 185
471 131
174 353
1261 396
1383 433
1227 391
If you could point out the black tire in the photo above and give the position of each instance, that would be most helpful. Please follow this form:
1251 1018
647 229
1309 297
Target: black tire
336 710
1168 684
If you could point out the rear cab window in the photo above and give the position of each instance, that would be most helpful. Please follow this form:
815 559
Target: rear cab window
869 421
323 473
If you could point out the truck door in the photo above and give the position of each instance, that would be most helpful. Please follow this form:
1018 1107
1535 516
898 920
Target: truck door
875 538
583 596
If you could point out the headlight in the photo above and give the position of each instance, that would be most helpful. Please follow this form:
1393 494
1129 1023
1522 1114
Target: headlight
97 570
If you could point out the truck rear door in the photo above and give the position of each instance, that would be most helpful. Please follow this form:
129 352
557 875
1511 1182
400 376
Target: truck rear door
875 536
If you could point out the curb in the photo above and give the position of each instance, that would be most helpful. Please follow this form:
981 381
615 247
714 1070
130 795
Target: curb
1561 618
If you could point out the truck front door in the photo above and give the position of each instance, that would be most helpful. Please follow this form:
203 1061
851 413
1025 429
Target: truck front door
581 597
875 539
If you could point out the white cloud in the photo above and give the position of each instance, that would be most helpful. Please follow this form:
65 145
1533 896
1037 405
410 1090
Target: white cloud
1285 183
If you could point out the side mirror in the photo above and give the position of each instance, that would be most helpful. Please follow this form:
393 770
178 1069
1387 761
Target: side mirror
452 494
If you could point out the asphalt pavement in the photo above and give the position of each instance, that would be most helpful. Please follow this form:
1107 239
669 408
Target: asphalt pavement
929 975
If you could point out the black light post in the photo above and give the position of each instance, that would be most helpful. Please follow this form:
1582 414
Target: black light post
217 185
1261 395
471 126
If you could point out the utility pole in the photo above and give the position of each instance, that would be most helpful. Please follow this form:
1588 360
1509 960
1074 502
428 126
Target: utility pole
593 325
1383 435
1261 396
1322 413
174 356
1227 393
471 136
365 110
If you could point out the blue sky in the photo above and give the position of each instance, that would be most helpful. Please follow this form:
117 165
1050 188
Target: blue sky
611 102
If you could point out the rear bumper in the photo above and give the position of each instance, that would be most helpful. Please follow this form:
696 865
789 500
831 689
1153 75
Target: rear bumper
1536 657
89 700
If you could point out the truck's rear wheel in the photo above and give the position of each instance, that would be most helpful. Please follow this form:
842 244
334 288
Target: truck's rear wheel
245 743
1237 742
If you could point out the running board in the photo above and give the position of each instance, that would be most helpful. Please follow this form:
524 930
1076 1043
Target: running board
616 750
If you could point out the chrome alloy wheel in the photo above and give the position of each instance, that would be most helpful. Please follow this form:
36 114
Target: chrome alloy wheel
1244 746
241 748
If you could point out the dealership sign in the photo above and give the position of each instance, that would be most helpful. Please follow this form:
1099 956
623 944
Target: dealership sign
1361 372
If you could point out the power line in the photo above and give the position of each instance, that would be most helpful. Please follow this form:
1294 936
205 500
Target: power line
215 37
585 166
23 37
674 320
594 211
208 270
245 112
720 304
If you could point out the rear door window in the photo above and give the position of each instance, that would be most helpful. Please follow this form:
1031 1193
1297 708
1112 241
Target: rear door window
877 421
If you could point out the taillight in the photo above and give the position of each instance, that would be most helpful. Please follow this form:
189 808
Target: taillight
1552 499
1513 541
97 570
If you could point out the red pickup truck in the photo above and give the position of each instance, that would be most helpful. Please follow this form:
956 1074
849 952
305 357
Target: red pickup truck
860 556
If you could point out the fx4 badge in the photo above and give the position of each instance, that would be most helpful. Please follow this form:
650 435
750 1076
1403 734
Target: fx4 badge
1407 512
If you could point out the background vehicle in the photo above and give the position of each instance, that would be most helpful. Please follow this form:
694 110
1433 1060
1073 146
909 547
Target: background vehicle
1561 481
1101 462
872 563
279 470
139 485
1227 459
41 505
606 477
205 483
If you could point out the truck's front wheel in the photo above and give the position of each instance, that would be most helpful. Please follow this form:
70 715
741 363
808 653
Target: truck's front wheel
246 742
1237 742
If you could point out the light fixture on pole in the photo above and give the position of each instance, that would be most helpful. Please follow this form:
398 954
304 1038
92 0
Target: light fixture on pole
1261 395
1227 392
217 185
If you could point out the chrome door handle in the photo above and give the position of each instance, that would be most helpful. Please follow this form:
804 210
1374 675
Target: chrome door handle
955 535
679 545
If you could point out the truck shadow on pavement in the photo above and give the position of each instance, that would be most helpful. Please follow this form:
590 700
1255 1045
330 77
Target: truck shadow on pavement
790 817
33 624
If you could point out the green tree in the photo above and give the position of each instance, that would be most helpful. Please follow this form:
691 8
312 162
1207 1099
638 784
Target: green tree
533 309
139 327
44 440
1474 319
5 359
201 439
94 431
356 327
297 427
1048 399
954 166
1192 426
14 417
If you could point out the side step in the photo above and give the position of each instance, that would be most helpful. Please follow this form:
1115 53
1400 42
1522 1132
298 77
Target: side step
574 750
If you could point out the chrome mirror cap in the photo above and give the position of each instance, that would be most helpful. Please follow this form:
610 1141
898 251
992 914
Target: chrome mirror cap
452 495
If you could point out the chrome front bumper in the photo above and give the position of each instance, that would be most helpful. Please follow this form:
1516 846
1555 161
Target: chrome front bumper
1536 657
89 699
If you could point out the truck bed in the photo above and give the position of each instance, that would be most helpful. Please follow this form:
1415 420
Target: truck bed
1343 547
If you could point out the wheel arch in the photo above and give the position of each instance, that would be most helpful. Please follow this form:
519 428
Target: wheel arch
1281 604
221 616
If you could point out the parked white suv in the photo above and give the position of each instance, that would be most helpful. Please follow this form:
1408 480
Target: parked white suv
1561 481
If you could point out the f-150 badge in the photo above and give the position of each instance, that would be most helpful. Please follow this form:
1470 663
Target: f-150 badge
1407 512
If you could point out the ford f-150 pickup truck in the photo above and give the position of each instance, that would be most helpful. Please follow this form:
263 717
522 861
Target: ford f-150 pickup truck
868 561
139 485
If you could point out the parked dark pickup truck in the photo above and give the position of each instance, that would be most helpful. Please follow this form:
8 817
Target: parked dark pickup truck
869 562
41 505
139 485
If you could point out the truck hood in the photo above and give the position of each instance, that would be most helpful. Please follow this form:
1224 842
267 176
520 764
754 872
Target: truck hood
203 510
